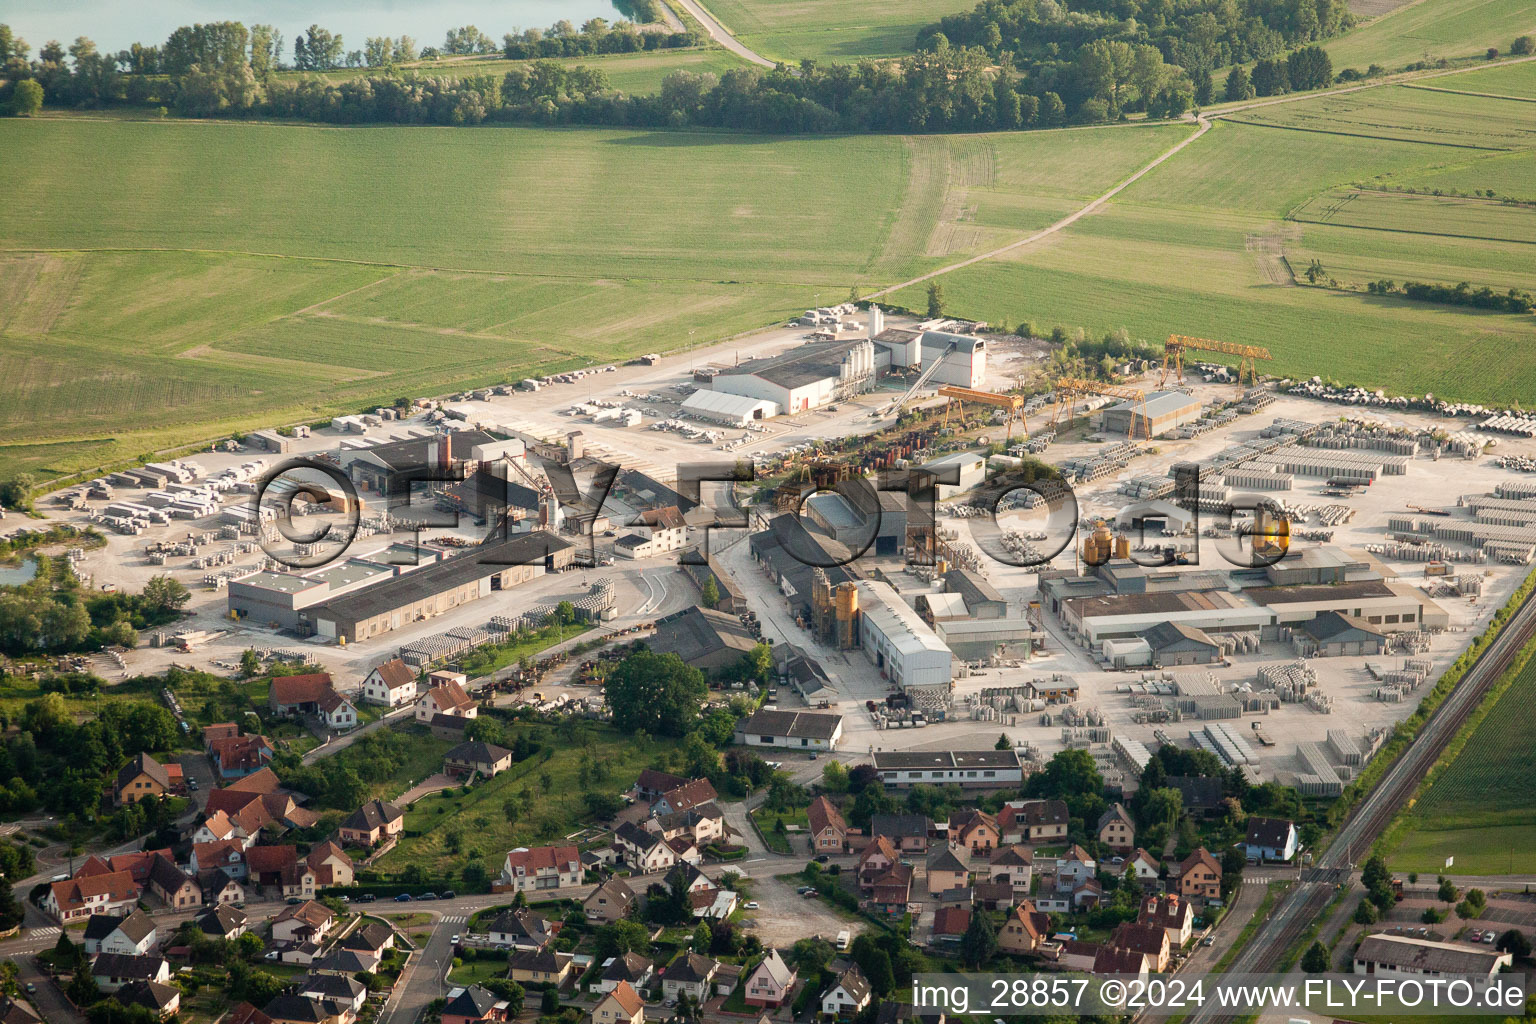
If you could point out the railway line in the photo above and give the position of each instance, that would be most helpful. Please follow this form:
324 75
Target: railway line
1304 904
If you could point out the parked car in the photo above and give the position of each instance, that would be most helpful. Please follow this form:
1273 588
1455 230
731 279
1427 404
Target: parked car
1209 940
1487 938
450 894
455 940
404 897
367 897
427 896
809 894
751 904
272 954
295 900
192 784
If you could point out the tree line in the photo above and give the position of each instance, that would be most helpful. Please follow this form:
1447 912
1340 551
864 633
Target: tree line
1094 52
596 36
1462 294
1307 68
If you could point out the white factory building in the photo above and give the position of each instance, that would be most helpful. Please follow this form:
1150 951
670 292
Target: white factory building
972 469
811 376
732 410
897 640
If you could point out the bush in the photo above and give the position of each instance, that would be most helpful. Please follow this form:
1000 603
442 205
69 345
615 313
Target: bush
1521 46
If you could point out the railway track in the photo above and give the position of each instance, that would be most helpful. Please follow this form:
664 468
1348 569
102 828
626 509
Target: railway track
1300 908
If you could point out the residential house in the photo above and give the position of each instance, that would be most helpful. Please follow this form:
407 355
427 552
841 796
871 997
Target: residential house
449 727
137 864
446 698
331 865
301 922
1087 895
878 857
1174 915
236 756
216 828
702 824
339 989
849 994
373 823
829 832
163 1001
346 962
1119 961
1074 868
474 1005
1198 876
1033 821
994 895
293 1009
951 922
1150 939
652 784
369 937
686 797
1201 795
279 869
1024 929
1014 865
770 982
539 967
299 695
522 928
245 1013
114 970
222 922
541 867
974 830
1143 867
473 758
227 855
1116 829
174 887
609 902
337 712
391 684
690 878
1271 839
219 888
909 832
630 968
13 1011
644 851
692 974
948 868
144 777
76 899
621 1005
891 892
132 934
798 730
713 904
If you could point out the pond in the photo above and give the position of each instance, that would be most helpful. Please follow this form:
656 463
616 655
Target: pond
114 24
15 575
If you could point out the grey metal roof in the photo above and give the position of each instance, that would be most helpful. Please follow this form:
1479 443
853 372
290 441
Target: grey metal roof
791 724
798 367
696 632
940 759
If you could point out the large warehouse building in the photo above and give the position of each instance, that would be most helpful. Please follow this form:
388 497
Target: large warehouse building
969 769
1165 411
898 641
425 593
808 377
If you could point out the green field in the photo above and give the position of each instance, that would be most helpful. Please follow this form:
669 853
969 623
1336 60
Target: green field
1202 246
220 279
1432 29
1457 217
1479 807
830 30
1517 80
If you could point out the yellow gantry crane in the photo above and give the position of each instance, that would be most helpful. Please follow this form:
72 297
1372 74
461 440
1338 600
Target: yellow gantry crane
1070 389
958 396
1178 344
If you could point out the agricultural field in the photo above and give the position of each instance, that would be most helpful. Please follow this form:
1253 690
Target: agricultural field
1510 175
1517 80
1202 245
844 30
1453 216
1479 807
219 280
1431 29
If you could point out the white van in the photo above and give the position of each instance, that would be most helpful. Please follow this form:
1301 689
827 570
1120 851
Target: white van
843 939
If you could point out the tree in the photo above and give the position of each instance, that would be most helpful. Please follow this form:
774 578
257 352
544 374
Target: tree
1315 959
979 943
834 777
809 956
1365 913
935 300
622 937
658 693
1205 89
26 100
1447 892
250 662
165 594
550 1003
1514 941
710 593
565 614
1521 46
317 50
1003 742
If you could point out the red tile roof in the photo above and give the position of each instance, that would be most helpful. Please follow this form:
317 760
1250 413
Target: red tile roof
305 689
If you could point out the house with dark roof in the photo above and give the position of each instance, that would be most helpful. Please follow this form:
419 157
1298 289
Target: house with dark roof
1118 961
1169 912
369 937
849 994
144 777
643 850
539 967
949 867
609 902
1148 939
132 934
692 974
372 823
522 928
1271 839
652 784
798 730
296 1009
686 797
474 1005
449 727
339 989
222 922
631 968
346 962
1200 794
474 758
159 999
1013 865
391 684
1116 829
174 887
114 970
1032 821
908 832
13 1011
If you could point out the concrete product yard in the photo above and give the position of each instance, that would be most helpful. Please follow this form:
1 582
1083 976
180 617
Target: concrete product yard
1114 707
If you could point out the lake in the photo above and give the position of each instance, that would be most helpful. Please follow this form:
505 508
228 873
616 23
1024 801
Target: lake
115 24
15 575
